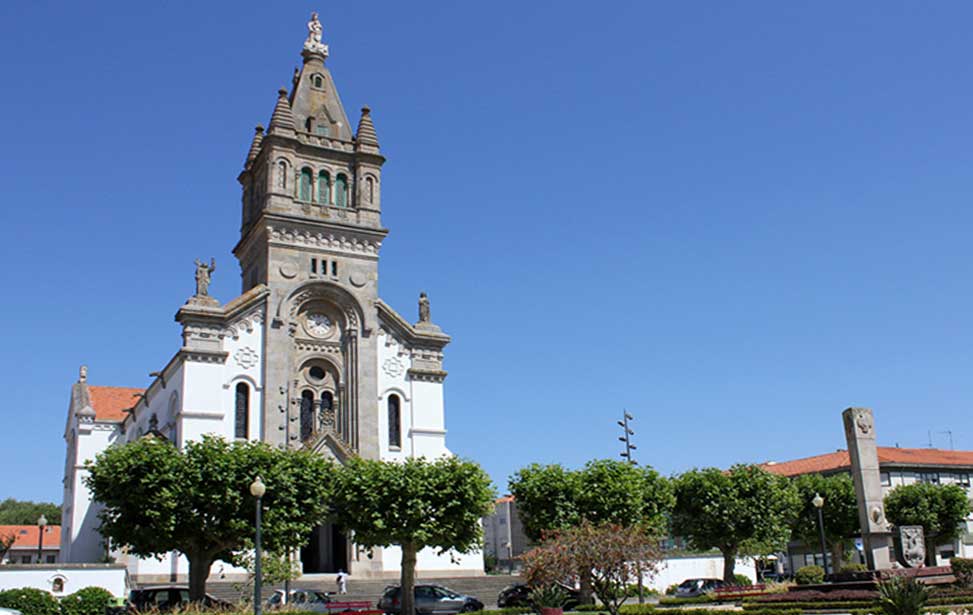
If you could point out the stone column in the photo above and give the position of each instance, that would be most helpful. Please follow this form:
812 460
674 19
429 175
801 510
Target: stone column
876 538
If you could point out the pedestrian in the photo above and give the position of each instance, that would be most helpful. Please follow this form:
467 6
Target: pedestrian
342 580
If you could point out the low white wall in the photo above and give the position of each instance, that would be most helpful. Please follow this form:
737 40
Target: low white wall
678 569
112 577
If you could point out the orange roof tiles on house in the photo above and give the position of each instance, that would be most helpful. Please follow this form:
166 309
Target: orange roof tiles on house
505 499
110 403
26 536
887 455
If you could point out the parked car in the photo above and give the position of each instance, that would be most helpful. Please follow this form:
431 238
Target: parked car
301 600
518 595
690 588
168 597
430 599
5 611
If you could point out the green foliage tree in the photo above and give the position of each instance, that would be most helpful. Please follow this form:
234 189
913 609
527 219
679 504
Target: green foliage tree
87 601
550 497
30 601
24 512
939 509
413 504
197 501
840 512
741 511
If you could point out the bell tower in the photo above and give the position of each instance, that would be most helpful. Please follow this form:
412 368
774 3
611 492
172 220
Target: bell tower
311 232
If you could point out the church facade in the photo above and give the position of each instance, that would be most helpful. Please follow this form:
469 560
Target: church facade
308 356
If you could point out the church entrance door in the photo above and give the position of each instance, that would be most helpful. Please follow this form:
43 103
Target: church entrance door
325 551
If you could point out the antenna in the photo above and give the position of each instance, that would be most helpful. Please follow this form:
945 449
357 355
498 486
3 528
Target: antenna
626 437
949 433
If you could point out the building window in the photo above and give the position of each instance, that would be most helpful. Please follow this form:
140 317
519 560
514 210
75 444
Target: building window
242 415
307 414
341 191
928 477
886 479
963 479
395 422
50 560
370 189
317 81
282 174
322 129
324 188
305 189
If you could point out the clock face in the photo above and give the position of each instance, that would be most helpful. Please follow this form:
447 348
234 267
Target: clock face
318 324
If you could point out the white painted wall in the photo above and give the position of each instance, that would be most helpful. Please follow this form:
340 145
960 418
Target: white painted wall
80 540
678 569
113 578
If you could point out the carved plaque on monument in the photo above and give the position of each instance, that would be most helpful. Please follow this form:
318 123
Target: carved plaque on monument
913 545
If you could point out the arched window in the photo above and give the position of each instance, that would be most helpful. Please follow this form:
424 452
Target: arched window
341 191
370 189
318 81
307 414
282 174
242 411
305 192
395 422
324 188
327 400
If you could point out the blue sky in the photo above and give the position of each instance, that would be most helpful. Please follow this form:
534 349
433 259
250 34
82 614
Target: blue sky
732 219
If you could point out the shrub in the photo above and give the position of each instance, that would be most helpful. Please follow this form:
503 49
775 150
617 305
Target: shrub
671 590
809 575
520 610
854 567
963 569
548 596
30 601
811 595
902 596
742 580
86 601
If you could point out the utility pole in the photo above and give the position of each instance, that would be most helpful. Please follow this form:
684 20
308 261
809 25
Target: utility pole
626 438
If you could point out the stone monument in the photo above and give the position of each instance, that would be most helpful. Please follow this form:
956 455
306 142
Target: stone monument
876 537
912 545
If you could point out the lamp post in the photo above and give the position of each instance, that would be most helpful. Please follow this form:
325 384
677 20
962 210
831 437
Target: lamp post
257 490
818 502
41 524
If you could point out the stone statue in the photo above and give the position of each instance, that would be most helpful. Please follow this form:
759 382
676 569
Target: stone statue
423 307
913 545
204 273
83 374
314 31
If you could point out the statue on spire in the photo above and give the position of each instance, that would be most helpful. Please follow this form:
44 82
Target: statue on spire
313 43
424 315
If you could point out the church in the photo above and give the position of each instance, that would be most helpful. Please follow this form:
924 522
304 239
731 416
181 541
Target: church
308 356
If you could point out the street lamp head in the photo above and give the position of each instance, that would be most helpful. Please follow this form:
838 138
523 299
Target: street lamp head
41 521
818 501
258 488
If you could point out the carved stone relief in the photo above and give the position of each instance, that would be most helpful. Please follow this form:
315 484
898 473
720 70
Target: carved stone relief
913 545
246 357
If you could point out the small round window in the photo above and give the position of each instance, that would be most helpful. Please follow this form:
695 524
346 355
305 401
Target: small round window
316 373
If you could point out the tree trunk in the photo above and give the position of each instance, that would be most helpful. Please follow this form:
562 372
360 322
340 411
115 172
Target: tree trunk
729 565
407 585
199 565
584 588
837 556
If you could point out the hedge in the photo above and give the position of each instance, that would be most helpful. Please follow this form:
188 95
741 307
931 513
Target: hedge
809 575
513 610
963 569
30 601
87 601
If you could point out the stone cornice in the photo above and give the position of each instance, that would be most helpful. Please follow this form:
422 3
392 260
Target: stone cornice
289 230
413 337
427 375
203 356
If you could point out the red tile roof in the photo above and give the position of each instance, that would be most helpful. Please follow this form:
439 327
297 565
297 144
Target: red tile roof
26 536
110 403
887 455
505 499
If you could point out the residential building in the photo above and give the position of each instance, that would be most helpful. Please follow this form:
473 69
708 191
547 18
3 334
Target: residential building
27 542
503 535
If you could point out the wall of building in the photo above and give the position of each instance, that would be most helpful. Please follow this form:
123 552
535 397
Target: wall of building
62 580
677 569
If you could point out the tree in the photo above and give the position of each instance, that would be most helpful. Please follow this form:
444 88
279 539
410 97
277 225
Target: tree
413 504
745 510
549 497
610 555
840 512
7 540
197 501
24 512
939 509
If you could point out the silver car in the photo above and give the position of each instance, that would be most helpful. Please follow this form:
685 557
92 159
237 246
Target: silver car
430 600
300 600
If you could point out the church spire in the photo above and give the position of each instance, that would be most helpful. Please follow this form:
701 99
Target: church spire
366 139
282 120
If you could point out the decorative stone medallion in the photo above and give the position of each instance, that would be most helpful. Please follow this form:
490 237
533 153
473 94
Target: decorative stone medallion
913 545
393 367
358 279
288 270
245 357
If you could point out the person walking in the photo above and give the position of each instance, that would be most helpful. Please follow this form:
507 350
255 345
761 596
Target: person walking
342 581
